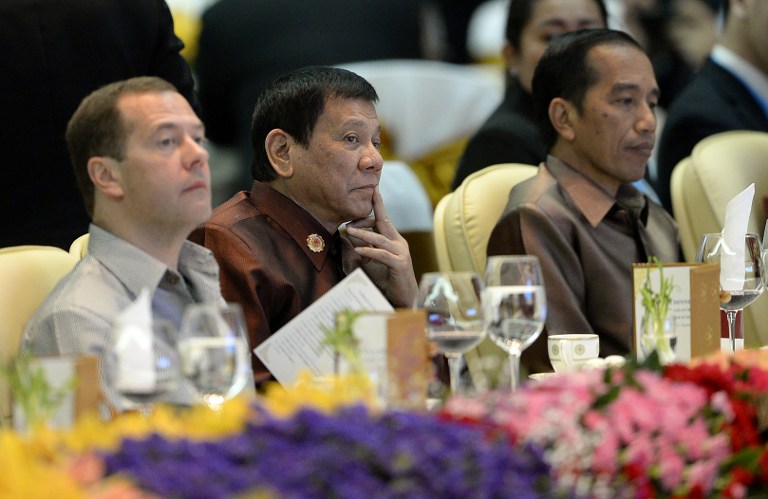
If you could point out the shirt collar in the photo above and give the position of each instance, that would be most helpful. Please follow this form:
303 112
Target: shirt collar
302 227
588 198
138 270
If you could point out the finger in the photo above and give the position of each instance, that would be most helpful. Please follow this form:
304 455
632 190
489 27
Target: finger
380 212
362 223
394 243
394 262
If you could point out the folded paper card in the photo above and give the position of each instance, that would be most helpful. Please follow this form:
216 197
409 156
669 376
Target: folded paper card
132 340
84 397
736 221
694 307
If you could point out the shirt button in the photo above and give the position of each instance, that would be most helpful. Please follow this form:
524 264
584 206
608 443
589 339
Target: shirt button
172 279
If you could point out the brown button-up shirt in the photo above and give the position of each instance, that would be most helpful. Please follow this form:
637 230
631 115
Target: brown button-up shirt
275 259
586 241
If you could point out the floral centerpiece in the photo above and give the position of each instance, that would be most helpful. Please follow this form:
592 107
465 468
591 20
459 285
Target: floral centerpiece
327 446
647 430
641 431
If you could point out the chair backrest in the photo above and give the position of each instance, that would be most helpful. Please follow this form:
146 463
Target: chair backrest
463 222
719 167
27 276
688 203
79 246
464 219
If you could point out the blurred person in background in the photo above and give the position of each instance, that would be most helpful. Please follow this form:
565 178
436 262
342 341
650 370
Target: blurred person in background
729 92
54 53
510 134
693 26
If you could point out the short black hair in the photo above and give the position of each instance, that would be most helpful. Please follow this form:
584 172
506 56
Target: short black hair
519 14
563 71
294 102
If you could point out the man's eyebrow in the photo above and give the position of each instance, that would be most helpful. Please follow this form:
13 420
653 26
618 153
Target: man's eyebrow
172 125
557 22
632 87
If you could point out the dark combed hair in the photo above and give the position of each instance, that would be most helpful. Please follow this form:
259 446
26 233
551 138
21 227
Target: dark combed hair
294 102
519 14
563 71
98 129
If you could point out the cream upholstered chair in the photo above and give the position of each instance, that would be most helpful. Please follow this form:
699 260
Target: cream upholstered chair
463 223
464 219
27 276
79 246
719 167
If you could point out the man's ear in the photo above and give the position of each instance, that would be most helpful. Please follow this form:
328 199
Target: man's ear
106 176
280 145
562 115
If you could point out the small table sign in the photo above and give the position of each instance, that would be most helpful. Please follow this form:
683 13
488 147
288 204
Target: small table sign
695 306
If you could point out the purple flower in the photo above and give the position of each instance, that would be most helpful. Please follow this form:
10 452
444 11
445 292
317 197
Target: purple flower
348 454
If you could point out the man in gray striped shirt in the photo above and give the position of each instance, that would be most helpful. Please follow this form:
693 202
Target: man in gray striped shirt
137 151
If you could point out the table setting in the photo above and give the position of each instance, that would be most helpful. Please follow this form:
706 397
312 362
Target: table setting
655 423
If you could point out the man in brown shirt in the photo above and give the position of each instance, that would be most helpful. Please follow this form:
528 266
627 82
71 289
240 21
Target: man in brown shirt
316 166
595 95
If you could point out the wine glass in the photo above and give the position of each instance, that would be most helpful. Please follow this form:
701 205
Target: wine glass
137 370
741 279
214 351
454 315
514 305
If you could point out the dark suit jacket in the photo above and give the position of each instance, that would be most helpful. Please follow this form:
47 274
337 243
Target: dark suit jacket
715 101
509 135
245 44
52 54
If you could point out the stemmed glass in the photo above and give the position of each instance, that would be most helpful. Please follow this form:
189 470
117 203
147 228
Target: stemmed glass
741 285
138 370
214 351
514 305
454 315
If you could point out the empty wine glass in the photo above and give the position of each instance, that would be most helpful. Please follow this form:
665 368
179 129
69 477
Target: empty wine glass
514 305
214 351
741 273
138 370
454 315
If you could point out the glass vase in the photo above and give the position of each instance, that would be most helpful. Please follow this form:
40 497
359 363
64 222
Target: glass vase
658 333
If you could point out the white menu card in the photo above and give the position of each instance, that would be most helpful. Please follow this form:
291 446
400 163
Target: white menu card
297 345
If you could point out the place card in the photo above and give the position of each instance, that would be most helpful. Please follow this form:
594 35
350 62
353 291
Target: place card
85 397
695 306
395 352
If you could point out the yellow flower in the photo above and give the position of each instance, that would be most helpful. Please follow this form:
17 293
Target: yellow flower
325 394
30 471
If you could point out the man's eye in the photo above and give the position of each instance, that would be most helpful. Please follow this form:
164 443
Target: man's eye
352 139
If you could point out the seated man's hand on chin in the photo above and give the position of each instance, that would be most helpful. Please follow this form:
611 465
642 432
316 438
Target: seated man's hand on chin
387 258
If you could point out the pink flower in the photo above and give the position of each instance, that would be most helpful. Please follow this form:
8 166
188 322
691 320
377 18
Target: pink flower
671 466
606 455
